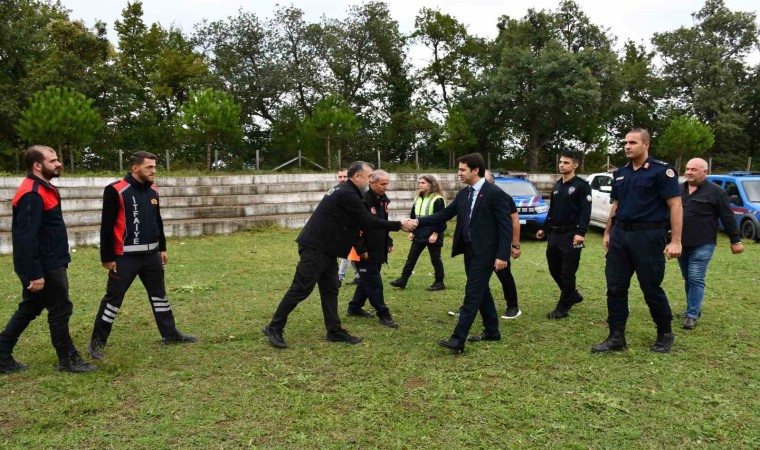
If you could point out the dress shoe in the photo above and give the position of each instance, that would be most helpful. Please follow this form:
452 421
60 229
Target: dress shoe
73 363
689 323
342 335
437 286
179 338
615 342
557 314
359 313
484 337
452 344
10 365
399 283
663 343
386 320
95 351
512 313
275 336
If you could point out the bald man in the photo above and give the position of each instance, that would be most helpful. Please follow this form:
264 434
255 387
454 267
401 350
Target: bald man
703 203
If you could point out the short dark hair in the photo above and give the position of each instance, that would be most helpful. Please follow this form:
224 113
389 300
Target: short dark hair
35 154
572 155
645 137
356 167
474 161
137 158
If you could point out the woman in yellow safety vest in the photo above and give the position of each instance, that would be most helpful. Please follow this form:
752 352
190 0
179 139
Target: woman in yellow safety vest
430 199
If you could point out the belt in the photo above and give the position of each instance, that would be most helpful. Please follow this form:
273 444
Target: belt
564 228
639 226
140 248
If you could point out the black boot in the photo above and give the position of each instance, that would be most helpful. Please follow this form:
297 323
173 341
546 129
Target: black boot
179 338
663 343
386 320
73 363
437 286
399 283
615 342
560 311
10 365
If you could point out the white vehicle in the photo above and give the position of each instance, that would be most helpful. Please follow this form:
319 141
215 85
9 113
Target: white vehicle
601 186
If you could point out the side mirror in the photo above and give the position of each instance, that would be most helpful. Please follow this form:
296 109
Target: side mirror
546 196
735 200
605 188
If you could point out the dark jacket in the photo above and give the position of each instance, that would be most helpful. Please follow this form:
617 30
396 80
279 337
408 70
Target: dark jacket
131 220
40 241
334 225
490 225
375 242
422 234
701 209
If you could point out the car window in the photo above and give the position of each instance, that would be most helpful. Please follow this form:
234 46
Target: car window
718 182
752 189
600 181
518 189
732 189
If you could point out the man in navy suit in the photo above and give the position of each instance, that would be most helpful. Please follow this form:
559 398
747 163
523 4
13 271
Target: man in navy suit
484 235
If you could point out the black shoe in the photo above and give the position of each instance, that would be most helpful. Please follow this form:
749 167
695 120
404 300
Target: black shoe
179 338
557 314
386 320
615 342
663 343
452 344
512 313
399 283
95 351
484 337
275 336
578 298
689 323
74 363
10 365
437 286
359 313
342 335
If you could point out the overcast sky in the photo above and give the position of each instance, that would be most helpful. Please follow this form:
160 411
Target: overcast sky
636 20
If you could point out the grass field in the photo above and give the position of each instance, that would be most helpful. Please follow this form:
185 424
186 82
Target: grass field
539 387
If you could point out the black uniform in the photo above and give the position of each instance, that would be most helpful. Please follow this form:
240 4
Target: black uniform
421 240
638 239
329 234
40 250
505 276
569 215
375 243
132 235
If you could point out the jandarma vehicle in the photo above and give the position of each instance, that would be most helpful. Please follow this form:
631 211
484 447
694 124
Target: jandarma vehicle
743 189
531 207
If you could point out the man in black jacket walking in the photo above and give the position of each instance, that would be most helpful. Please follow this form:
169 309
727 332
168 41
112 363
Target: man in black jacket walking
329 234
373 247
40 258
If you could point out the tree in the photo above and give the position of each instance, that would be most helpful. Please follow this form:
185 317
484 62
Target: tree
332 120
210 116
685 135
61 117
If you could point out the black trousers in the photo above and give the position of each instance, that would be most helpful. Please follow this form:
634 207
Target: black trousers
151 272
563 260
369 287
508 285
477 298
640 252
414 254
55 298
314 268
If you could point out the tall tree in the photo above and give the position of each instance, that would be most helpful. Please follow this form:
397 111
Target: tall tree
685 136
332 121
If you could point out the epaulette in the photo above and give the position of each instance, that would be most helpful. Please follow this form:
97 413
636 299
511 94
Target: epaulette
663 163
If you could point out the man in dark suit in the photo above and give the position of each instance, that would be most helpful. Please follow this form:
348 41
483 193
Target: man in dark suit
329 234
484 235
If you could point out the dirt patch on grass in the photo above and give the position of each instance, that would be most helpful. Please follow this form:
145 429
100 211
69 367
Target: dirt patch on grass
414 383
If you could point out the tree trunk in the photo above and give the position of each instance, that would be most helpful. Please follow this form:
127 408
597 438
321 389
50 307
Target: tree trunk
328 152
533 149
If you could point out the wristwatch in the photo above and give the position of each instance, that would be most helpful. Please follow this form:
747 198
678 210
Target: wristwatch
516 246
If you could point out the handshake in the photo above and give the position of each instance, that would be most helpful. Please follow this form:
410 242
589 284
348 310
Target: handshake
409 225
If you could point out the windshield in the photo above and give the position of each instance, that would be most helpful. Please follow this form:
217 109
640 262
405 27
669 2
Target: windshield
518 189
752 189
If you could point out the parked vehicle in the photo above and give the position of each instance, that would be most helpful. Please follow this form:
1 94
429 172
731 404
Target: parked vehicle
531 207
743 189
601 204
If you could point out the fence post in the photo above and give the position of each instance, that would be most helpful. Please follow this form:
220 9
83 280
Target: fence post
378 159
121 160
168 163
257 159
417 159
299 157
216 158
749 164
709 165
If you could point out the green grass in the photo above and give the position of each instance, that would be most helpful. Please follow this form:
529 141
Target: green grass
539 387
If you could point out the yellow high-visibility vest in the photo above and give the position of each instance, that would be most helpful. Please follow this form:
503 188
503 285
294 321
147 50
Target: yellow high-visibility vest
424 206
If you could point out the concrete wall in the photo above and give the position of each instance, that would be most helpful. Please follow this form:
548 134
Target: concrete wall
192 206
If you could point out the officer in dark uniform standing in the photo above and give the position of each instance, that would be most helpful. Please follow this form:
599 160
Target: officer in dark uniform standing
566 225
646 199
329 234
132 244
40 259
373 246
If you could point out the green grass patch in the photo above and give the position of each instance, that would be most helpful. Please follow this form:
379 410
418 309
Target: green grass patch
539 387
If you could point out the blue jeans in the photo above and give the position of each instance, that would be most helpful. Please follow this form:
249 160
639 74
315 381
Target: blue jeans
693 262
343 269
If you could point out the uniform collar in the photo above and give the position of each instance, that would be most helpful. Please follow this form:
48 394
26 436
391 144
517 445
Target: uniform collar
42 181
133 181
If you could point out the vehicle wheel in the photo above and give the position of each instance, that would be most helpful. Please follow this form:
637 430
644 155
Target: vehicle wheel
749 230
